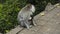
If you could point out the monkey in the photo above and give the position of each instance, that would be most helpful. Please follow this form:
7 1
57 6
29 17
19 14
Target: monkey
24 16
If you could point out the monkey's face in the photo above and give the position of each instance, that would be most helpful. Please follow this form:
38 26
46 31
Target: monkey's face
32 8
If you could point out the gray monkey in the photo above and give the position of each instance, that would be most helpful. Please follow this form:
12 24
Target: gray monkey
24 16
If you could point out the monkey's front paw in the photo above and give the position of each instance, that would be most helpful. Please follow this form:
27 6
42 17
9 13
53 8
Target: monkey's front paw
30 18
30 26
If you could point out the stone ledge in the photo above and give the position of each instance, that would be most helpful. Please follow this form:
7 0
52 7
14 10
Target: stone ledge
15 30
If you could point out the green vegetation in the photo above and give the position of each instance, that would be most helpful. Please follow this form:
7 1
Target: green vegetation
10 8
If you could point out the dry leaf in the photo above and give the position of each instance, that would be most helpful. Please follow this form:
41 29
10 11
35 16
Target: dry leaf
42 14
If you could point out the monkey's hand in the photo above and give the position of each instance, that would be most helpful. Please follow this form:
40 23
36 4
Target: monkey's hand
30 18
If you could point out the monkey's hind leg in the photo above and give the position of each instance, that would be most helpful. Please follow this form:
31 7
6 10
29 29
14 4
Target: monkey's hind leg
27 24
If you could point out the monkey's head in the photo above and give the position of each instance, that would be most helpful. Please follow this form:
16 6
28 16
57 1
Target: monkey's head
30 7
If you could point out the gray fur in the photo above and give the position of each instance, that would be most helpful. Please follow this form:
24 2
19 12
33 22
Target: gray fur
25 14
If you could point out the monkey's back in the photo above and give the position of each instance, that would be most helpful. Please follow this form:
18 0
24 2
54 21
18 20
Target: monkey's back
22 15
